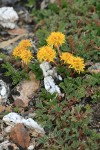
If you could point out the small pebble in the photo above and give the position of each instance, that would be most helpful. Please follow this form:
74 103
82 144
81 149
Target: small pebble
31 147
8 129
1 138
32 115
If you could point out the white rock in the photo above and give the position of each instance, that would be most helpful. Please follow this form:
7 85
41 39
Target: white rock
48 70
49 74
8 129
8 17
31 124
3 144
14 118
31 147
45 66
50 85
4 91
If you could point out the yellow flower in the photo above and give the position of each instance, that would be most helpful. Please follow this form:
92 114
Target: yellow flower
56 39
66 57
46 53
77 64
17 51
25 43
26 56
22 52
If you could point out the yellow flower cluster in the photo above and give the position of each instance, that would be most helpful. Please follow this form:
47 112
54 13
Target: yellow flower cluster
26 56
22 51
76 63
25 43
46 53
66 57
56 39
17 51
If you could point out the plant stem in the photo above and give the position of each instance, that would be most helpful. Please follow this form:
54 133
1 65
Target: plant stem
59 53
55 63
24 66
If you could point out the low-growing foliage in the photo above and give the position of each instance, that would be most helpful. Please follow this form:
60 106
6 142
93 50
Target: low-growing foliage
66 124
68 38
52 52
78 87
37 70
79 24
16 75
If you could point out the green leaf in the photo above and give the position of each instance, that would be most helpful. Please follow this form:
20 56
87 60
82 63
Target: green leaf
62 27
37 70
43 140
80 93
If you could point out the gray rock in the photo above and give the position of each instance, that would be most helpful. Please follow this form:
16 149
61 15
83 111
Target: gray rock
24 16
1 59
26 90
94 68
32 115
42 4
1 137
8 2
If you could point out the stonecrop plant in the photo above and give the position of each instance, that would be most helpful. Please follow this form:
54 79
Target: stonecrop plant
56 39
23 52
50 52
66 57
46 53
76 63
25 43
